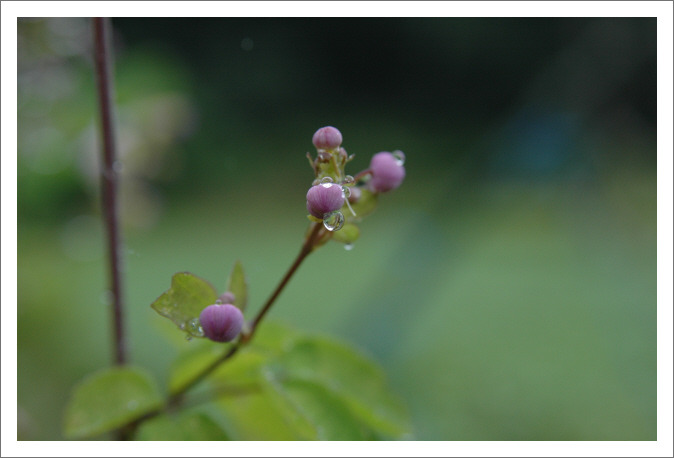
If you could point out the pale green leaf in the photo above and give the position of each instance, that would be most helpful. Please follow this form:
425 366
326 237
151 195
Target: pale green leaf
358 382
184 301
109 399
183 426
348 234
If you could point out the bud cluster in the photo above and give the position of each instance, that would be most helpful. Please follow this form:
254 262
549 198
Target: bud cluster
332 190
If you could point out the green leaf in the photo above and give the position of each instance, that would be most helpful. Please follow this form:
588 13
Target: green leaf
192 362
315 387
313 411
109 399
238 285
365 205
240 371
345 374
184 426
184 301
349 233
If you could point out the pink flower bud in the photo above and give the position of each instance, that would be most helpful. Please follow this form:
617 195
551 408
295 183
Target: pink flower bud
324 198
387 172
221 322
227 297
327 138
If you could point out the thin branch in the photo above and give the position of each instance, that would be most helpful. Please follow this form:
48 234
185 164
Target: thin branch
307 248
104 77
313 240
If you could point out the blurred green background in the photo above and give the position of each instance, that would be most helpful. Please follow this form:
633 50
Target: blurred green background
508 288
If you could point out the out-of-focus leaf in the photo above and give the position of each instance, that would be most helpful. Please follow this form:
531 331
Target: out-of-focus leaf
238 285
349 233
313 411
317 388
184 426
109 399
365 205
184 301
347 375
242 370
192 362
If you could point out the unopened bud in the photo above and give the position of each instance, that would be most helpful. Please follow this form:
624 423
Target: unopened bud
324 198
327 138
387 172
221 322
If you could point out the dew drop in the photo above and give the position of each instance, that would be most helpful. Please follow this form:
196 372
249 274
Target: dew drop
348 246
346 192
325 180
194 327
399 156
333 221
218 301
348 179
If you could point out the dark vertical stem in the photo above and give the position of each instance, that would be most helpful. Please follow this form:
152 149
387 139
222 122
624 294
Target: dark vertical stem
103 64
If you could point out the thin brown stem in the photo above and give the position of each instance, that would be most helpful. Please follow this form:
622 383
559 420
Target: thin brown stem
104 77
307 247
315 238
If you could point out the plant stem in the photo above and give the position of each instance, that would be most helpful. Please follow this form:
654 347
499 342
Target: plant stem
104 77
317 235
307 247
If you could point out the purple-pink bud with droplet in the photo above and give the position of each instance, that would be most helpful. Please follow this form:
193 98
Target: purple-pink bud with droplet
221 322
327 138
387 172
324 198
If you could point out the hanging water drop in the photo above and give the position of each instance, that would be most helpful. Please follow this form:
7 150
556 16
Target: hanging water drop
399 156
348 246
333 221
346 192
194 328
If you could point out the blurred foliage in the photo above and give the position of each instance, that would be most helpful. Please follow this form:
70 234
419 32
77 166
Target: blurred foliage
508 288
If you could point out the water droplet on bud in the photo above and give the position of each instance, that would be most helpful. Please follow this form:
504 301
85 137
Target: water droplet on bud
326 180
333 221
346 192
348 179
399 156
